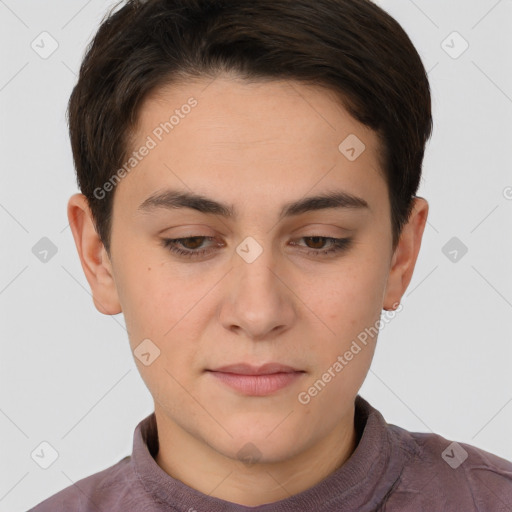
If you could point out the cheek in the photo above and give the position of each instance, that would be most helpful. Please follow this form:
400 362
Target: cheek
353 296
165 307
349 302
150 298
158 305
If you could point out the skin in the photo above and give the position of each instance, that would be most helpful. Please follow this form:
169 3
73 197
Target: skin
255 146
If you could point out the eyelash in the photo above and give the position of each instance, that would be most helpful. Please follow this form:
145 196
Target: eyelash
338 245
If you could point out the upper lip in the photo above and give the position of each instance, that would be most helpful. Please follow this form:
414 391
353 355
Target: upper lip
247 369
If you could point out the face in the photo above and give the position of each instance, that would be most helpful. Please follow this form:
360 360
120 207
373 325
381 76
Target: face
273 281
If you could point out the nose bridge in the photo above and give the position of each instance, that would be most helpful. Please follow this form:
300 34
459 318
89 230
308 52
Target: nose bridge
255 264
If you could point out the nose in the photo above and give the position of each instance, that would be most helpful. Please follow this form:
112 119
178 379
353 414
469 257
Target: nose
257 302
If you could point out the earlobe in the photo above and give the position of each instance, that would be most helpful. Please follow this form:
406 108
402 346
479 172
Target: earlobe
406 254
95 262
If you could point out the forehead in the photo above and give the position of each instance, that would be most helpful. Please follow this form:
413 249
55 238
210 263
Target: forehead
248 138
233 111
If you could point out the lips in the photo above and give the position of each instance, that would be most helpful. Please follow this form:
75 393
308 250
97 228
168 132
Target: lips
263 380
247 369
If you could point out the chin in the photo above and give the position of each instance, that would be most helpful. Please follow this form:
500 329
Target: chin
253 445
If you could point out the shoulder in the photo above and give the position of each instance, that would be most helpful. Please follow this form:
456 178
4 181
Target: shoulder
452 474
105 490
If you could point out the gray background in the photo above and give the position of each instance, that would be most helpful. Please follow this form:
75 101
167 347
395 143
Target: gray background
67 374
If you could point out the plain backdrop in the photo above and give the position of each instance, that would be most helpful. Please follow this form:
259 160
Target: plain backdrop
67 375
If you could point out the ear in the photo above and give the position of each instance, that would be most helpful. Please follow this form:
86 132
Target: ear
93 256
405 254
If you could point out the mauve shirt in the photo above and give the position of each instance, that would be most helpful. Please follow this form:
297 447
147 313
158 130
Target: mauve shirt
391 469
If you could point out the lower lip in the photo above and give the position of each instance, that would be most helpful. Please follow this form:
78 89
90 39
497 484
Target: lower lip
257 385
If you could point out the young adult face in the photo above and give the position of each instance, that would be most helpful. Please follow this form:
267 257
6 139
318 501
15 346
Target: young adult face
264 292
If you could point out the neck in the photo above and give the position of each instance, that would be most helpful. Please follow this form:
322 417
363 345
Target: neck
214 474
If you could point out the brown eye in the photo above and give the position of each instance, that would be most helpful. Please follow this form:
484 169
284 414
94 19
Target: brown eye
317 245
318 241
183 247
196 242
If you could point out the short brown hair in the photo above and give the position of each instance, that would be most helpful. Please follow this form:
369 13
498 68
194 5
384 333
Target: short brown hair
352 47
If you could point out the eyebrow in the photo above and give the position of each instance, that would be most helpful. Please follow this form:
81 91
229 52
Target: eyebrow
173 199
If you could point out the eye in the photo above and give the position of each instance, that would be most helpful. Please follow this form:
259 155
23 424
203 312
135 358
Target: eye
336 244
192 246
173 244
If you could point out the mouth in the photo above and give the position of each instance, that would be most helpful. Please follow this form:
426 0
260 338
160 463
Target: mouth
257 381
